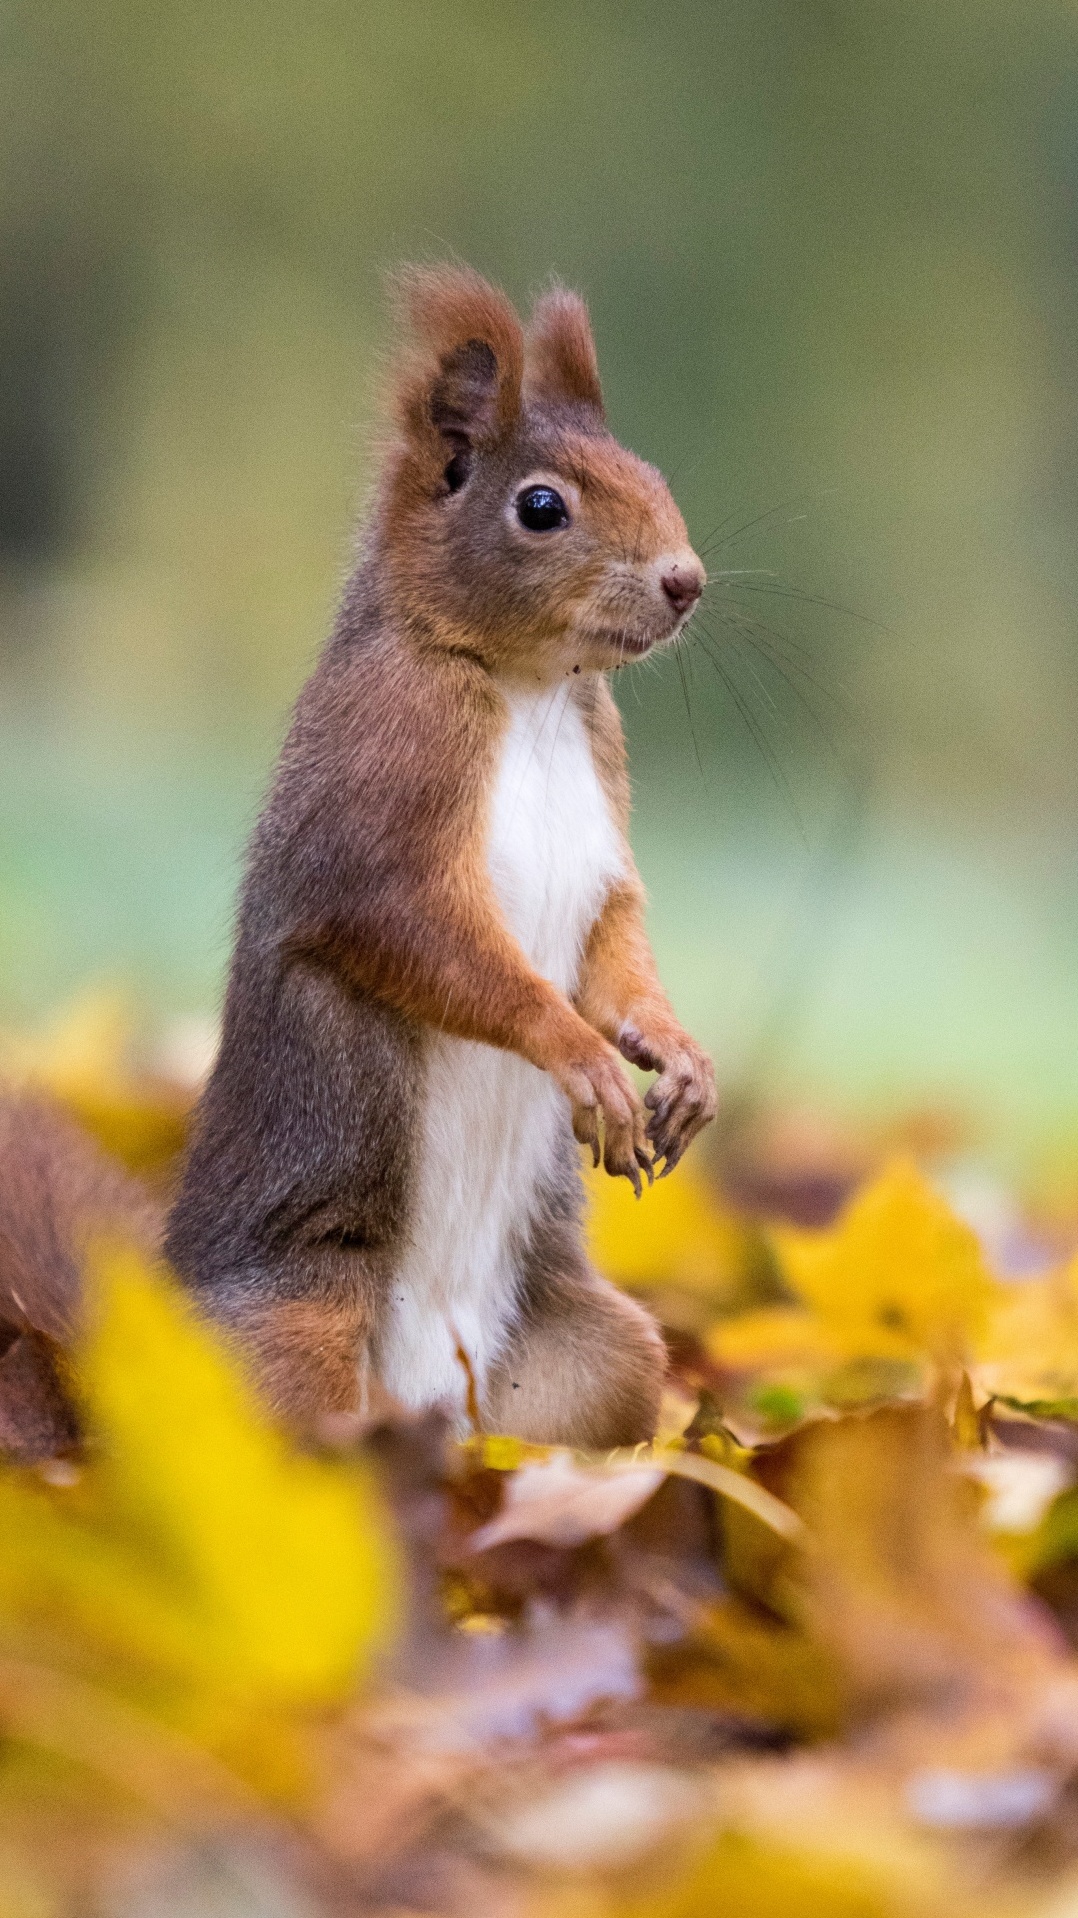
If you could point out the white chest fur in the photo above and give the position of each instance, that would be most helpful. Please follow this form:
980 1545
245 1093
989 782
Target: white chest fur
491 1121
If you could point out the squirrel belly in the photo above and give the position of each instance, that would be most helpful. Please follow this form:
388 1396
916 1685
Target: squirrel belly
496 1153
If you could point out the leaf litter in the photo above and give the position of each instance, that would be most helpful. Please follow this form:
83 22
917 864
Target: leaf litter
809 1653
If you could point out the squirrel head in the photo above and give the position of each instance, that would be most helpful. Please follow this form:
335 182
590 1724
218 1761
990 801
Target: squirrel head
511 523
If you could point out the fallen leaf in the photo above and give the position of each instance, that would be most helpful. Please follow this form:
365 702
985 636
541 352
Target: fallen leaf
1028 1354
743 1877
84 1056
598 1816
897 1276
564 1499
900 1583
1020 1487
202 1566
505 1688
676 1234
562 1503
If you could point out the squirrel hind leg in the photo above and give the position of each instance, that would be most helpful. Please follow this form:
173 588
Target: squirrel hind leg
305 1354
585 1366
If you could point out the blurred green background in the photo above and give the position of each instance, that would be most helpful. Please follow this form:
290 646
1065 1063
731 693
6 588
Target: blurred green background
829 247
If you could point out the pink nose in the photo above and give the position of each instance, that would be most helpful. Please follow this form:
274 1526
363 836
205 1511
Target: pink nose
683 585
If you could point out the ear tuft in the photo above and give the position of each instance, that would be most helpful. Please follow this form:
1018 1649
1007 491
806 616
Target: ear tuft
561 362
461 381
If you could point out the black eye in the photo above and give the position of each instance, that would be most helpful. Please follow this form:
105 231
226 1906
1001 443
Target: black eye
542 510
457 472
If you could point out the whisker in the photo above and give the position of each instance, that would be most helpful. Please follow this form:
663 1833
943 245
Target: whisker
685 464
790 671
824 730
732 611
779 714
790 650
785 668
763 744
688 709
783 591
748 525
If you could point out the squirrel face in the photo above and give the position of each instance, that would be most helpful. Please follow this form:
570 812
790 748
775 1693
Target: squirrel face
512 524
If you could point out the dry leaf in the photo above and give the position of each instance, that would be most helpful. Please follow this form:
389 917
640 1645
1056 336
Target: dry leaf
1028 1355
743 1877
562 1503
84 1057
598 1816
898 1276
676 1234
220 1577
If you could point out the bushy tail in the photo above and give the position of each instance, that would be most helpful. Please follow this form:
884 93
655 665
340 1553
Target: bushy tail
58 1192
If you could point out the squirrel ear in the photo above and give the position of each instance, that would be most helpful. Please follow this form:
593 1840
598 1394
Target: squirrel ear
463 401
462 381
561 362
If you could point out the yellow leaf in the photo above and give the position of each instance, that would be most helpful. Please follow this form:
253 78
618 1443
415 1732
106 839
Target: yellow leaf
199 1554
82 1056
965 1419
784 1364
81 1048
897 1276
285 1550
676 1234
741 1877
501 1452
776 1338
1029 1353
773 1364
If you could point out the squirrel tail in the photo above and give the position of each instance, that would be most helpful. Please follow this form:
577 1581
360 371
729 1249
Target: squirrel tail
58 1191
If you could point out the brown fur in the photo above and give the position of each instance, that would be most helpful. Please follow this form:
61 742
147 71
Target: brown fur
586 1363
329 1333
620 992
58 1192
368 918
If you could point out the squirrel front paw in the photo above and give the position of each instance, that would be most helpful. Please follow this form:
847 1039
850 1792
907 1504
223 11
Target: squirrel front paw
683 1099
599 1089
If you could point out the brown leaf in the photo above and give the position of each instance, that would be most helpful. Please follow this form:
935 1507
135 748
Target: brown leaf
562 1503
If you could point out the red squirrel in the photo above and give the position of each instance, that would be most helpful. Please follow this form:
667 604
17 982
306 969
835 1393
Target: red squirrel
440 958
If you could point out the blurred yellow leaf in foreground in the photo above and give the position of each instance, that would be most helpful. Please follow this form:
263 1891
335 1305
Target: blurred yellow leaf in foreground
744 1878
198 1564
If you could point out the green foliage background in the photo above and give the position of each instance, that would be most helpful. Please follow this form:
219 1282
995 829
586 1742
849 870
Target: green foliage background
829 250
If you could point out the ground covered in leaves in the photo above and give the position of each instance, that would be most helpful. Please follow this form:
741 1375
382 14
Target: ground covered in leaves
808 1656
